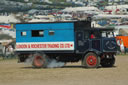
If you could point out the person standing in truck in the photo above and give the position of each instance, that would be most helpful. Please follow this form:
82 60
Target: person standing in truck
92 36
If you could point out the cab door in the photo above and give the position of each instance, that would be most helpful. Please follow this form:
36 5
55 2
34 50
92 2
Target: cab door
95 43
82 41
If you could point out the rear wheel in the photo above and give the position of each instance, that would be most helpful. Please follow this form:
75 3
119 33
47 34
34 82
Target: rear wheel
108 62
91 60
39 61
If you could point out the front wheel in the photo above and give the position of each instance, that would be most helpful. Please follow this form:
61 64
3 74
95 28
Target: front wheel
91 60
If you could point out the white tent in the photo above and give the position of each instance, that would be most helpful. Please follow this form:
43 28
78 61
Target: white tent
100 16
116 7
8 19
75 9
123 27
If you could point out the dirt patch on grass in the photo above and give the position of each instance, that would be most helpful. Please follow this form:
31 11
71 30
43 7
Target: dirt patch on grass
13 73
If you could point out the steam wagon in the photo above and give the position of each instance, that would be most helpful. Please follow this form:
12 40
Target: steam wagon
65 42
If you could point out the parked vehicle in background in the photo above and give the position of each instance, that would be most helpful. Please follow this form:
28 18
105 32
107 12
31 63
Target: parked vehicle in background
123 43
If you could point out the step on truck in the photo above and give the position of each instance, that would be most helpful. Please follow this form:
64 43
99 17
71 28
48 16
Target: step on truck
65 42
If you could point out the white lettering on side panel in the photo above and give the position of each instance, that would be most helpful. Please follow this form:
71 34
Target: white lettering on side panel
45 46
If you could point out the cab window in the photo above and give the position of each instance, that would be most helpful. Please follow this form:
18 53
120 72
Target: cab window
107 34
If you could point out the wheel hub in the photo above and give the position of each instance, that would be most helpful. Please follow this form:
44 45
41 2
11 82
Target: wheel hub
38 61
91 60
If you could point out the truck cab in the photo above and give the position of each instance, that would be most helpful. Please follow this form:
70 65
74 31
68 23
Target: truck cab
98 39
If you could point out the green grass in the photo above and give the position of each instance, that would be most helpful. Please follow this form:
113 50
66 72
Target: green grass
17 0
1 58
58 0
7 59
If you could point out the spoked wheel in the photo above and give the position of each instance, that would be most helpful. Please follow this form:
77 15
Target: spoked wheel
91 60
39 61
108 62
